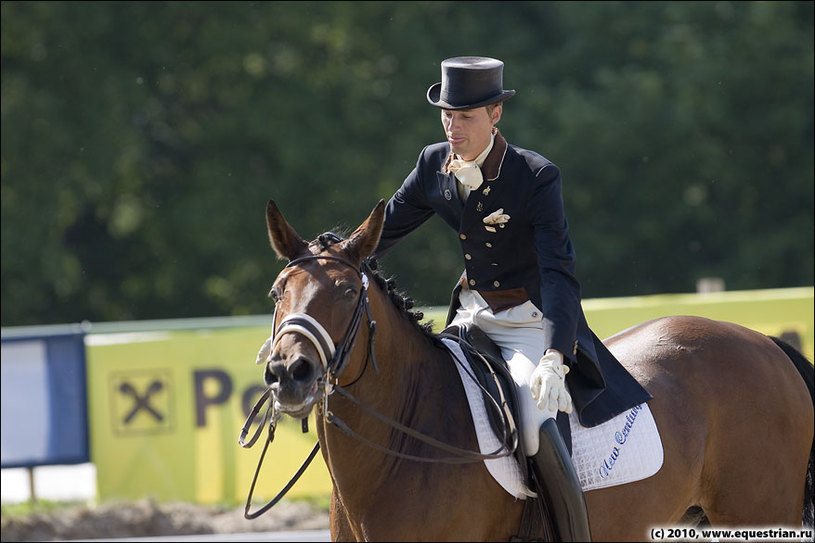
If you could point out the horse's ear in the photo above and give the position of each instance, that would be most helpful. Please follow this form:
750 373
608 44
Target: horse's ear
285 241
362 243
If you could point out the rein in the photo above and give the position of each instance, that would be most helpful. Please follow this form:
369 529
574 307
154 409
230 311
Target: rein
334 361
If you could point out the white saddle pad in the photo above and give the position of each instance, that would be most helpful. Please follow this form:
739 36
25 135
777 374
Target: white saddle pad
624 449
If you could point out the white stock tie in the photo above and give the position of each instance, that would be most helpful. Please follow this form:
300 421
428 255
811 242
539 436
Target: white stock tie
467 172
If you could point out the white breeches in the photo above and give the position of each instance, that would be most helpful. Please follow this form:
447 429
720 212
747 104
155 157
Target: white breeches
518 332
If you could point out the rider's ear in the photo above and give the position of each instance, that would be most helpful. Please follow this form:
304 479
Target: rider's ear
363 242
496 114
284 240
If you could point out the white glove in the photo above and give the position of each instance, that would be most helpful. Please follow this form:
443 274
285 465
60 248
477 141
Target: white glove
548 384
264 352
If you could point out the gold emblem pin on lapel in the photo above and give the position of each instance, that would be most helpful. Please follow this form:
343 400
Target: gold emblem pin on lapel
479 207
486 191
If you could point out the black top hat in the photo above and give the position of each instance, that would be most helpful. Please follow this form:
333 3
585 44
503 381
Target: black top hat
468 83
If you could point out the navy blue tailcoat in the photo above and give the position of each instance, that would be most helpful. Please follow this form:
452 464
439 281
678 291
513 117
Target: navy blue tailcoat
529 257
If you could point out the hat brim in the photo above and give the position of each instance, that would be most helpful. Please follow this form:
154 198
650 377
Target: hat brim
434 97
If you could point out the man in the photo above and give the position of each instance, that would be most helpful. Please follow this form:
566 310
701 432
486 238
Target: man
519 284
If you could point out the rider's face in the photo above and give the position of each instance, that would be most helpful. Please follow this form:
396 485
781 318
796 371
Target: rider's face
468 130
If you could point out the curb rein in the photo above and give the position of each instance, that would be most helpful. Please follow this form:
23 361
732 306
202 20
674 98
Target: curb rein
334 362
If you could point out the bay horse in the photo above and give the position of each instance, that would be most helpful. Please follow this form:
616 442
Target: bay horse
733 412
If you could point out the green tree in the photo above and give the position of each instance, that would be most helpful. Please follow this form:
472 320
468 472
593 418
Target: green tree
141 140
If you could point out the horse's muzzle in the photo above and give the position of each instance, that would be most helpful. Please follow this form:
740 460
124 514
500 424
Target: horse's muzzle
294 383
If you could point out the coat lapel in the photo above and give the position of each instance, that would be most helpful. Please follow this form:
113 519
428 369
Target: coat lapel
449 191
492 165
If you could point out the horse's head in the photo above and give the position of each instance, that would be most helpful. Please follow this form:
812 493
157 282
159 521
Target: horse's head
319 300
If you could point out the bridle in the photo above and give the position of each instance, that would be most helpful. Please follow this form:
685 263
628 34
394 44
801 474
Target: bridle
334 360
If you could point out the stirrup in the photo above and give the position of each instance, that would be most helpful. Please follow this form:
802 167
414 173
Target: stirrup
558 481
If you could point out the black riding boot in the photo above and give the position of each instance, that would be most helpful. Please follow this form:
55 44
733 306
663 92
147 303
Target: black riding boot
559 483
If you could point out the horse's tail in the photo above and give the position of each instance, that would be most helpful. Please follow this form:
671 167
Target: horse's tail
805 368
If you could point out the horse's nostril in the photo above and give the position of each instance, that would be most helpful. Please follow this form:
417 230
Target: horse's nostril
300 370
270 376
275 372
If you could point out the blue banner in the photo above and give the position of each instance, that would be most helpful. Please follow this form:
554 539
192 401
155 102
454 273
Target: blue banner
44 416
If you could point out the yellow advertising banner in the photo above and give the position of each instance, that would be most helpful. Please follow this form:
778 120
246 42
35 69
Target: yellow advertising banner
166 409
786 313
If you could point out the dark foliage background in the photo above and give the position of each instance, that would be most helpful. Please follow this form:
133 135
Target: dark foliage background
141 141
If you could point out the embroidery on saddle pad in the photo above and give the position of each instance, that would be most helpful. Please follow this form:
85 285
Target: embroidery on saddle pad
622 450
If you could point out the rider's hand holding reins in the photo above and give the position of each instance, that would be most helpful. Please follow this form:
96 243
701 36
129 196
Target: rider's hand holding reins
548 383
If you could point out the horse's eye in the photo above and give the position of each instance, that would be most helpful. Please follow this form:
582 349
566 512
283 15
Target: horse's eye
274 295
347 291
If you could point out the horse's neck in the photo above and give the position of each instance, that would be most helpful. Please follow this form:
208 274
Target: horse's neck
405 360
410 387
